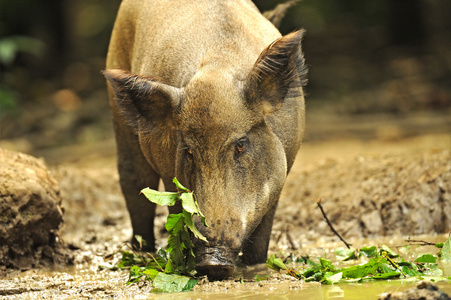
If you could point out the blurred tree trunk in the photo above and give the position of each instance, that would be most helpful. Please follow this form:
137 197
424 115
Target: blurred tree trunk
43 20
264 5
56 24
406 27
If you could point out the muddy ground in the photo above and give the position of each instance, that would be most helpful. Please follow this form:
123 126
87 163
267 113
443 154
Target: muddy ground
383 178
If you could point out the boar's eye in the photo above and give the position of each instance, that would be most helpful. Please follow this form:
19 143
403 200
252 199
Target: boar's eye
188 150
240 146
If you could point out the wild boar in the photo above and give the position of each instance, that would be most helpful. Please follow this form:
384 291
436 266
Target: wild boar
207 91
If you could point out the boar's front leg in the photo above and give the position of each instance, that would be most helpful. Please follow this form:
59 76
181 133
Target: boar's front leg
135 174
255 248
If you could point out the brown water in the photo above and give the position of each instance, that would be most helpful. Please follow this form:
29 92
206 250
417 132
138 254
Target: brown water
314 291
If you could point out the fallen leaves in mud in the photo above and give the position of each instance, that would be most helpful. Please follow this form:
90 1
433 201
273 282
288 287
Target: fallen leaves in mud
88 281
382 265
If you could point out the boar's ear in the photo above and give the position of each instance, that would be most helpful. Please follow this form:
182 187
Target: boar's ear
278 73
142 100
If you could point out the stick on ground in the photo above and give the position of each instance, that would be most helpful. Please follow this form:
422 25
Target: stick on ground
330 224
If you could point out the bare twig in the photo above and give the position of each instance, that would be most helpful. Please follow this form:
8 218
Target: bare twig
385 254
276 15
293 243
419 242
330 224
155 260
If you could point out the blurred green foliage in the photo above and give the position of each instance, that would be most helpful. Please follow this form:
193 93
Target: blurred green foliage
10 47
394 54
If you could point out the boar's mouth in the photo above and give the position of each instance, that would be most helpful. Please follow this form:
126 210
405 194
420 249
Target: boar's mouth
216 262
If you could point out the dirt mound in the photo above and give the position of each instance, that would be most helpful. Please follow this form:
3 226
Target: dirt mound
30 212
372 195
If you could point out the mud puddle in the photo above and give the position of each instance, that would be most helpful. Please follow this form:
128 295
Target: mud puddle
308 291
94 281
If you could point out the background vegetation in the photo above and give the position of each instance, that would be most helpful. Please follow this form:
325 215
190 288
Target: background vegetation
384 56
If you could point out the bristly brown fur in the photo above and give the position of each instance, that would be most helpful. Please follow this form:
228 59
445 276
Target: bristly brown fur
285 58
279 72
130 90
217 99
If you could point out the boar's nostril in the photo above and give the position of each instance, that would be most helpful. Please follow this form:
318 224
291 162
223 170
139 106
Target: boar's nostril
215 271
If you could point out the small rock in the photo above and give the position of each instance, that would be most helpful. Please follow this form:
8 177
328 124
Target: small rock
424 291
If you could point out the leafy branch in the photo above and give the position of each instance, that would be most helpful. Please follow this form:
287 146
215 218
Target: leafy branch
171 269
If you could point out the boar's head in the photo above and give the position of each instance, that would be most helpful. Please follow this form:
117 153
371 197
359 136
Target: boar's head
216 136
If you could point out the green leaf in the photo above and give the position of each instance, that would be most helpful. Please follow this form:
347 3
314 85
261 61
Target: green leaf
188 203
384 267
370 251
367 269
160 198
176 249
410 269
433 270
178 258
371 268
204 221
191 283
387 275
168 269
275 263
179 185
331 279
345 253
191 263
326 265
390 252
174 223
8 51
135 274
130 258
168 283
446 250
426 258
258 277
151 273
157 262
140 241
318 276
8 99
190 224
163 254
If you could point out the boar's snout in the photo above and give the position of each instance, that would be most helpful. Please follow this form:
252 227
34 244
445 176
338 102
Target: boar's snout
214 263
215 271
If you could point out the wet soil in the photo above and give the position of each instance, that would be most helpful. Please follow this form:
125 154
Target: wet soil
378 183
